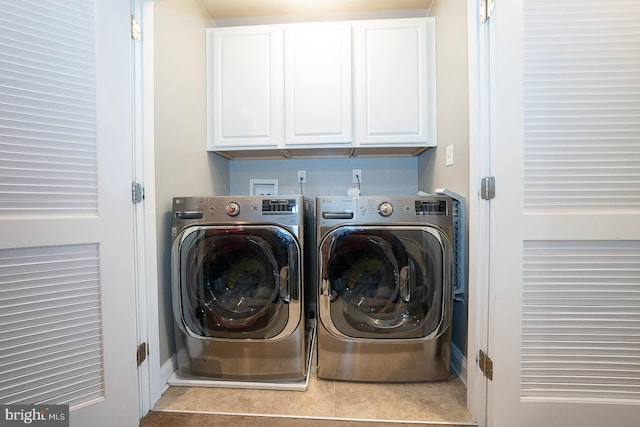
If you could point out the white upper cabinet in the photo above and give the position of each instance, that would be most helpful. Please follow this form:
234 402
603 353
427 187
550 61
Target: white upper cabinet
322 89
245 68
318 84
394 68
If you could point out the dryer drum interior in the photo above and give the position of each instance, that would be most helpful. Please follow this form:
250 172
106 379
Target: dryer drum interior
385 284
237 284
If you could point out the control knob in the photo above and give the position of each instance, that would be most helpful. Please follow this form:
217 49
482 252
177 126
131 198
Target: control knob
233 209
385 209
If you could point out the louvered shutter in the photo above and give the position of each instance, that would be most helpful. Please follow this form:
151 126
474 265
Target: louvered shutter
581 298
50 319
67 282
564 274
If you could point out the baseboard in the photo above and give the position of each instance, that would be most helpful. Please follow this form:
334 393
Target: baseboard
167 369
459 363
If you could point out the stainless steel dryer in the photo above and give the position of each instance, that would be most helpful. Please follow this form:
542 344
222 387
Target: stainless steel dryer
238 287
385 288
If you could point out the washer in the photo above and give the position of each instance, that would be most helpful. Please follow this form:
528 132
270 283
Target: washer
385 288
238 287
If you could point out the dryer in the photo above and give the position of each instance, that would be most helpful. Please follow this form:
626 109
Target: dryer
238 287
384 288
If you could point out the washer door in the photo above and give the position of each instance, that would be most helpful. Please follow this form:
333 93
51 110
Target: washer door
237 282
390 282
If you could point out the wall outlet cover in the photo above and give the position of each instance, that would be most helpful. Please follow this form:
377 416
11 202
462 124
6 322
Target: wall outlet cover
449 156
357 176
265 187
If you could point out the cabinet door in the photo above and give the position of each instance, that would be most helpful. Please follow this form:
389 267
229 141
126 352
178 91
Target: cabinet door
318 83
395 82
245 72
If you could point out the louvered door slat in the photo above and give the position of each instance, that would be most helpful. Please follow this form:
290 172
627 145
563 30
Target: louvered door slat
50 324
47 109
581 106
580 327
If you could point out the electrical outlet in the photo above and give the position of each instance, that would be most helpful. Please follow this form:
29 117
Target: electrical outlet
302 176
357 175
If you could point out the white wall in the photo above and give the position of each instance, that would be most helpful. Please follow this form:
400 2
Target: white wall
380 176
452 121
453 100
183 166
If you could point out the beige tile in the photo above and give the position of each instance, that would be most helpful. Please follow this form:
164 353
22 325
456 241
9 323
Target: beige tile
317 401
438 401
410 402
363 401
214 399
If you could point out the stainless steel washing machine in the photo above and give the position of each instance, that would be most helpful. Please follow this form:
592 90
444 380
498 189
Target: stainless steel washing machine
238 287
385 288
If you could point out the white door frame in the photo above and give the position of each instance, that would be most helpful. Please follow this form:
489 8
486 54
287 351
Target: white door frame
150 381
150 385
480 121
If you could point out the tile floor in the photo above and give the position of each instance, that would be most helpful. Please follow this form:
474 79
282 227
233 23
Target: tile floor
443 401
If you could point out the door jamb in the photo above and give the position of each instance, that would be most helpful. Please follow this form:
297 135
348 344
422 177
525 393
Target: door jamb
150 387
479 40
149 373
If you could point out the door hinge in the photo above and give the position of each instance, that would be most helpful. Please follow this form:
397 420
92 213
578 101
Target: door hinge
488 188
135 29
486 364
141 353
486 9
137 192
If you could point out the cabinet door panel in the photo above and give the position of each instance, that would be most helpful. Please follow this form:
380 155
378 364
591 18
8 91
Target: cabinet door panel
394 85
395 75
245 93
318 84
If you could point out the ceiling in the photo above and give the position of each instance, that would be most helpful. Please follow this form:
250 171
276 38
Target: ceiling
309 9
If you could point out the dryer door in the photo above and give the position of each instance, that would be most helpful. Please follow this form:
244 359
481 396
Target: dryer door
385 282
236 282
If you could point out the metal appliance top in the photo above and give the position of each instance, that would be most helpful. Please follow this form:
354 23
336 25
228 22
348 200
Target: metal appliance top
336 210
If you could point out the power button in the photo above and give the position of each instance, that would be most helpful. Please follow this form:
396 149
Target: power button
385 209
233 209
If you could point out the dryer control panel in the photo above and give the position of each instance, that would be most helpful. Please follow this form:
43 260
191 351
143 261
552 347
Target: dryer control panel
278 206
336 210
283 210
431 207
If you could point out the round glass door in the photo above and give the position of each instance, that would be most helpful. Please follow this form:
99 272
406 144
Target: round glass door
238 282
384 282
